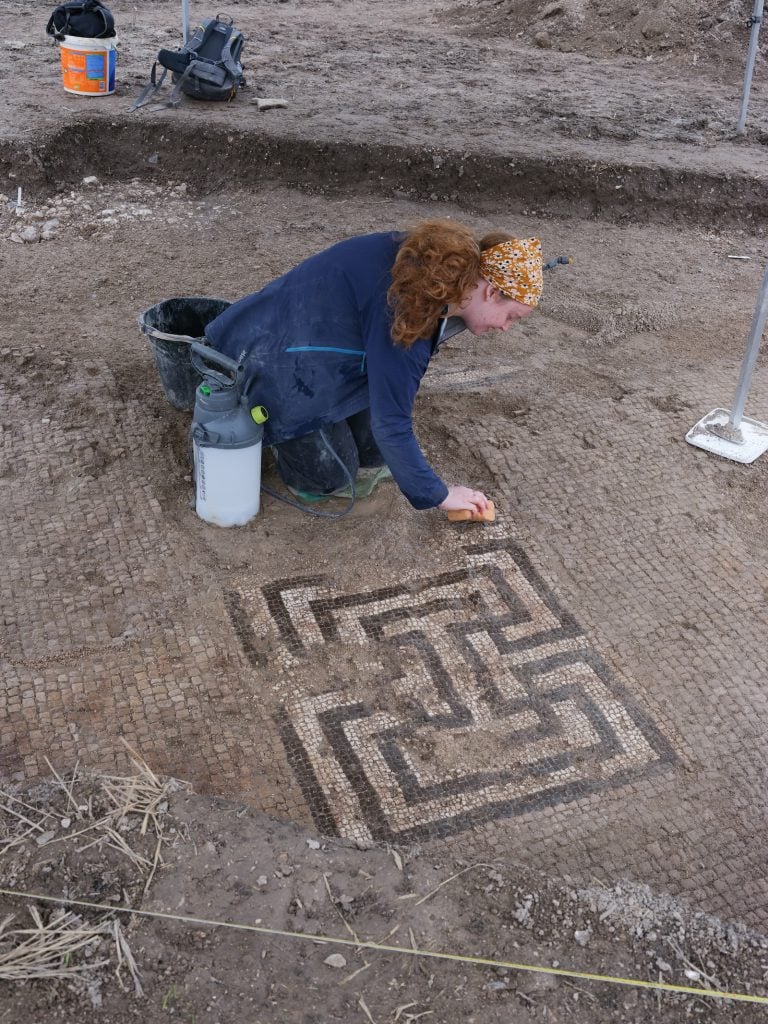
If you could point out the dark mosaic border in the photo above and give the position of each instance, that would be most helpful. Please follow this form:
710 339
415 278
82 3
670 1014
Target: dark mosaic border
333 722
391 741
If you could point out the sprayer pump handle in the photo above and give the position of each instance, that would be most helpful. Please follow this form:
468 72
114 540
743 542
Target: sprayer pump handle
202 355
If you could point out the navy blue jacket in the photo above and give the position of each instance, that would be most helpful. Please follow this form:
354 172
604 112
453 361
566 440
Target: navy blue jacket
317 348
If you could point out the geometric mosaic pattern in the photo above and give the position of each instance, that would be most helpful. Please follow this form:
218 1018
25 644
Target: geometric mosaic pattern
495 704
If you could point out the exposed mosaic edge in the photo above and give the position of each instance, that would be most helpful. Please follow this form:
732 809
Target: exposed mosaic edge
466 380
492 673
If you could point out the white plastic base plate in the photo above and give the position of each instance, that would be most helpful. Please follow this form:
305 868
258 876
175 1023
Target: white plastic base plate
755 436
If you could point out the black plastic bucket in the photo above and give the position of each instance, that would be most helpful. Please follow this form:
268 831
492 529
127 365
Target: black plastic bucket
171 326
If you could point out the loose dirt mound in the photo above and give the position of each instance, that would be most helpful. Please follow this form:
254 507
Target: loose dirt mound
686 31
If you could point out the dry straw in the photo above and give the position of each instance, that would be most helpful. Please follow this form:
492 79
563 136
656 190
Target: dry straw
63 946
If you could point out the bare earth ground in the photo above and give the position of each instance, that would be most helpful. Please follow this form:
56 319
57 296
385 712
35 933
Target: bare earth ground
573 696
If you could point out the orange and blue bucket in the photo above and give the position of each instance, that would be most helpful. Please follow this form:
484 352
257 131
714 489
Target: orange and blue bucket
88 65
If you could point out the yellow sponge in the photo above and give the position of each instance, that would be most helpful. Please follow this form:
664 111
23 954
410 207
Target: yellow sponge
463 515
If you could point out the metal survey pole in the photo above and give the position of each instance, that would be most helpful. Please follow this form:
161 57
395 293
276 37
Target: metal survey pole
750 356
185 18
754 23
732 434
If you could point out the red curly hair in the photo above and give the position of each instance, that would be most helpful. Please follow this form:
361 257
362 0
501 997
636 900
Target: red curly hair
437 265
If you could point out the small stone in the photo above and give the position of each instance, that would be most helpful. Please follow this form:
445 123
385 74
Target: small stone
532 983
543 40
262 880
313 844
44 837
66 822
582 937
51 225
16 238
335 960
663 965
91 181
522 913
654 27
30 234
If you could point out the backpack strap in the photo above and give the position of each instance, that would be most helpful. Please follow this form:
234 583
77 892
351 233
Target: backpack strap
106 17
153 86
58 33
175 96
151 89
200 37
233 67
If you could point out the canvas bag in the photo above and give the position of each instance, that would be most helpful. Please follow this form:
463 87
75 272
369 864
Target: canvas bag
88 19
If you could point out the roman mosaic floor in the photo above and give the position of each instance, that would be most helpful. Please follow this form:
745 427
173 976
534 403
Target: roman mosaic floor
580 687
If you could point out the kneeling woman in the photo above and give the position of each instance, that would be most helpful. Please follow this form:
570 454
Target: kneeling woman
336 349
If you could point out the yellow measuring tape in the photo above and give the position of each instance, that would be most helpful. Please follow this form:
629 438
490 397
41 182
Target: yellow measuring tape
562 972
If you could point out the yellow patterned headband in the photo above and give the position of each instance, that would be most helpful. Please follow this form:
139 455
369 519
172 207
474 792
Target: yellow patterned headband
515 268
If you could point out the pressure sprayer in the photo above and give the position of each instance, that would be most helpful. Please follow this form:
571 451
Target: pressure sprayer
226 436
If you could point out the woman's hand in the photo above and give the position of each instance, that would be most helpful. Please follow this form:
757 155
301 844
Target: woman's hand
464 497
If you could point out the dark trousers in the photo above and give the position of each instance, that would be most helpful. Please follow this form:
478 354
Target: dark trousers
307 463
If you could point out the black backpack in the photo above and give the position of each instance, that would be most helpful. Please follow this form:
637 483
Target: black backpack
88 19
207 67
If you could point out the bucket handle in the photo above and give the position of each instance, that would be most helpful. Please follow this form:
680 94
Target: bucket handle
152 332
